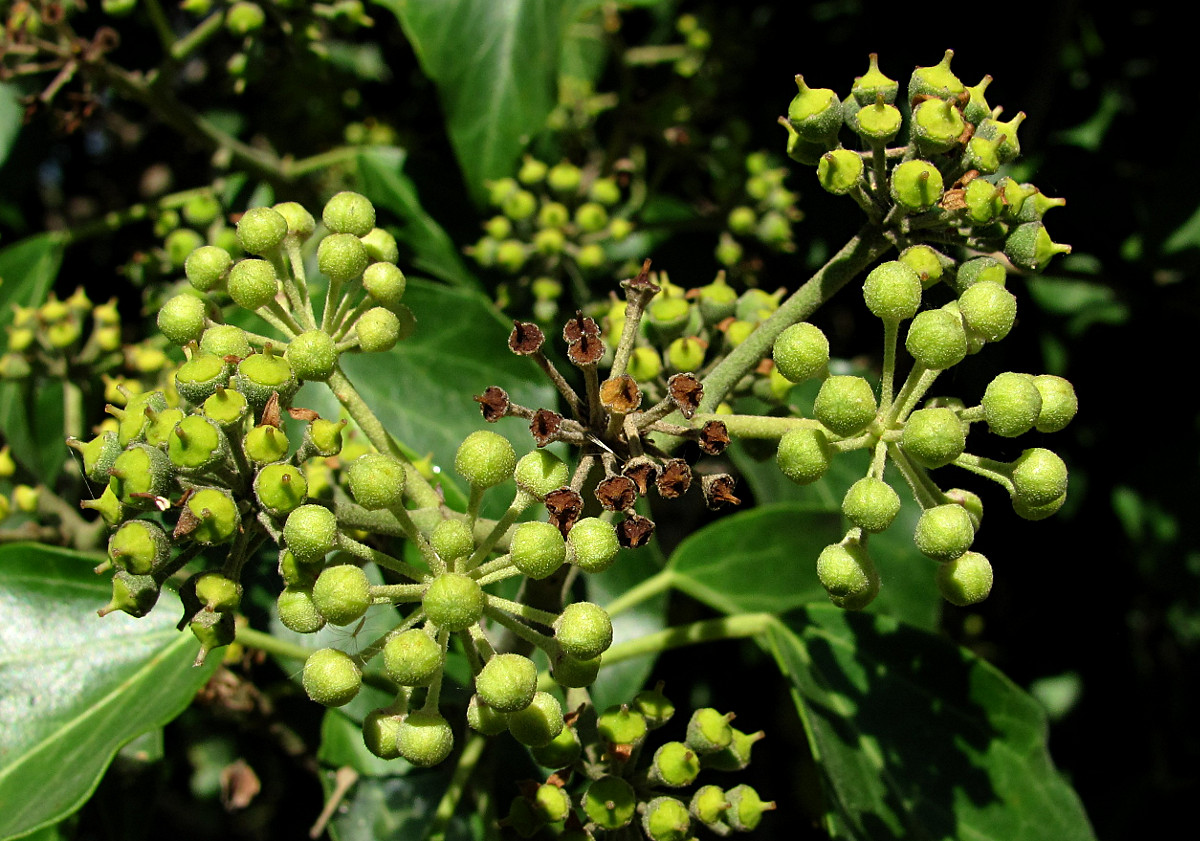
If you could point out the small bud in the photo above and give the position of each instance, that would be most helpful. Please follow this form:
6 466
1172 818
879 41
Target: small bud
412 658
936 80
666 819
815 114
871 504
1039 478
214 516
592 544
342 257
848 574
349 213
297 611
933 437
746 808
944 532
539 723
610 803
453 601
507 682
310 533
803 455
845 405
1059 403
1029 247
252 283
674 765
537 549
966 580
936 339
840 171
376 481
583 630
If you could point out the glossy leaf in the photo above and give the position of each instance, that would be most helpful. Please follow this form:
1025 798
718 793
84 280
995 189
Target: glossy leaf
11 117
495 63
384 182
392 808
917 738
75 687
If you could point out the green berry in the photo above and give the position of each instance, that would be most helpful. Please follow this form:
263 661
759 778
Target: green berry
181 319
195 444
217 592
745 808
936 80
452 539
98 454
871 504
933 437
717 300
925 262
610 803
537 549
300 223
708 805
1004 133
591 217
349 213
592 545
376 481
966 580
584 630
800 351
540 472
342 257
485 459
916 185
132 594
944 532
242 18
936 339
139 547
709 731
563 752
412 658
424 738
571 673
1011 404
936 126
1029 247
848 574
507 682
379 329
980 269
532 171
223 340
605 191
877 123
619 725
736 757
551 803
988 310
226 408
1039 478
564 177
381 246
252 283
892 291
381 729
840 171
868 87
666 819
845 405
483 719
325 436
980 198
342 594
297 611
815 114
655 707
331 677
674 765
310 533
140 471
134 420
1059 403
312 355
201 377
539 723
385 283
179 244
453 601
686 354
260 375
803 455
265 444
261 230
217 514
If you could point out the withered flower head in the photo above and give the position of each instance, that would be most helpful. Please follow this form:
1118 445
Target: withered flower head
564 506
686 392
306 415
493 402
642 283
675 479
634 531
643 471
544 426
578 327
526 338
587 350
718 490
617 493
714 438
620 394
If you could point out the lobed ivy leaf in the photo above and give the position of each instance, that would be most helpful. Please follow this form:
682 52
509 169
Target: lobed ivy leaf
915 737
75 687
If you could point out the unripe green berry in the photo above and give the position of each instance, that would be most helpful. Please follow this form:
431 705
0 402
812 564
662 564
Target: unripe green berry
736 757
331 677
265 444
537 549
507 682
877 122
242 18
1059 403
342 257
98 454
252 283
936 339
349 213
376 481
619 725
708 805
803 455
892 291
988 310
925 262
564 177
424 738
745 808
916 185
980 269
342 594
312 355
551 803
453 601
936 80
132 594
297 611
944 532
718 300
848 574
605 191
179 244
1039 478
644 364
485 459
452 539
310 533
300 223
868 87
261 230
520 205
933 437
584 630
539 723
201 377
1011 404
381 728
412 658
138 471
800 351
217 514
966 580
1029 247
840 171
666 819
1008 148
385 283
181 319
610 803
549 241
563 752
379 329
195 444
674 765
133 420
217 592
709 731
223 340
655 707
539 472
815 114
570 673
325 436
381 246
845 405
483 719
532 171
936 126
981 199
592 545
139 547
871 504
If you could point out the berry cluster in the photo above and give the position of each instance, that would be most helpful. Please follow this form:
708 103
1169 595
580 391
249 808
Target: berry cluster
765 214
605 754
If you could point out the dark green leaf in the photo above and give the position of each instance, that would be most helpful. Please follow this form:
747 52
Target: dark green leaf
384 182
75 687
495 63
916 738
11 117
422 389
387 808
342 742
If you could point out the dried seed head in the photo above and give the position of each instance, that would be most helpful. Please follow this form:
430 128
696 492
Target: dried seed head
544 426
634 531
587 350
714 438
617 493
686 392
620 394
526 338
718 490
643 471
578 327
493 402
675 479
564 506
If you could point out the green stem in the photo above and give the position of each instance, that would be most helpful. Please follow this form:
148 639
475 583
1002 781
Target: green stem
757 426
195 39
648 589
997 471
366 553
891 330
728 627
927 494
522 630
543 617
468 760
865 248
273 645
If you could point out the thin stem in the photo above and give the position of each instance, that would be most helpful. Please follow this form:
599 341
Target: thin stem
648 589
924 490
542 617
997 471
758 426
195 39
468 761
520 502
366 553
891 330
272 645
865 248
519 628
728 627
